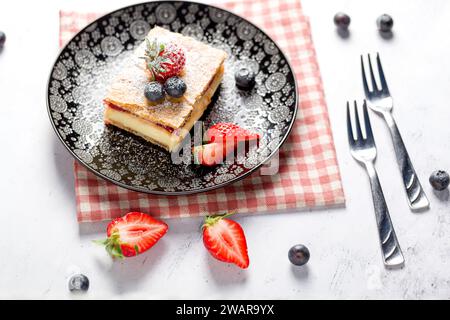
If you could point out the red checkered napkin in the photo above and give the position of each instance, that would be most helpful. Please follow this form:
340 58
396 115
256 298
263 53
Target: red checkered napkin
308 176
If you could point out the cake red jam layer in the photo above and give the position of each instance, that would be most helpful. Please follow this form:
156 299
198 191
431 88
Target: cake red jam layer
117 108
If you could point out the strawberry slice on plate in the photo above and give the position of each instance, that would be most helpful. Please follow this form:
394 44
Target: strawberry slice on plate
211 154
132 234
223 132
222 139
225 240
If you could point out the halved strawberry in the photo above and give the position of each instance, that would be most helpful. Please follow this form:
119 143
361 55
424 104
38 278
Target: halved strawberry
225 240
132 234
212 154
224 131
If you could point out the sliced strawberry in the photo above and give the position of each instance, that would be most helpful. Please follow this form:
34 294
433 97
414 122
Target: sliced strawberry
132 234
212 154
225 240
225 131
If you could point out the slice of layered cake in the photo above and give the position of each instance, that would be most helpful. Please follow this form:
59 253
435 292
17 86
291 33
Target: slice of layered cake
164 88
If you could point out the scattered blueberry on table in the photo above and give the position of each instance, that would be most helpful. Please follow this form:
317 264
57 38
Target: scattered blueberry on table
2 39
245 78
154 91
440 180
175 87
299 255
385 23
342 20
78 282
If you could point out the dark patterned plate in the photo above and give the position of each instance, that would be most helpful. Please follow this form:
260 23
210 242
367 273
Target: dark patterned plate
88 63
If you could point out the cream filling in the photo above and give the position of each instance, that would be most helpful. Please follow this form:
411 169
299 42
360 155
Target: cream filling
157 134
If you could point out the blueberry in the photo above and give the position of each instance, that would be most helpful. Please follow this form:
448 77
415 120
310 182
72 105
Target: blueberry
175 87
154 91
385 23
78 282
342 20
245 78
439 180
2 39
298 255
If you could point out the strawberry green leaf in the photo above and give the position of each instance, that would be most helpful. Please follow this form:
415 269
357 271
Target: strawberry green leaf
103 242
112 245
212 220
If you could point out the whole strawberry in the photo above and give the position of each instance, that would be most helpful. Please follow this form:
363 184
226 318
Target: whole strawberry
164 60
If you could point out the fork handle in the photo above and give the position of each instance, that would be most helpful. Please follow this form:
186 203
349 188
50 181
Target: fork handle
417 199
390 248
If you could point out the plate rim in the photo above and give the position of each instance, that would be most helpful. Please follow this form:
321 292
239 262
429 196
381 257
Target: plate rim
173 193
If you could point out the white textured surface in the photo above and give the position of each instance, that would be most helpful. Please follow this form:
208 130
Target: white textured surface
42 242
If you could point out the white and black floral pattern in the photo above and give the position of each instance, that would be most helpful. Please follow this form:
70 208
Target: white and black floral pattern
275 82
245 30
84 58
139 29
166 13
87 65
193 30
57 104
111 46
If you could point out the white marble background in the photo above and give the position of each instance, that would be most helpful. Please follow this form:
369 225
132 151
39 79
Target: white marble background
41 242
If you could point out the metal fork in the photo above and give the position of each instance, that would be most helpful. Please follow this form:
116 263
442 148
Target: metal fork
365 151
381 101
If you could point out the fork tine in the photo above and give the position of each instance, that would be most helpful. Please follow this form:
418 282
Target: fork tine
351 140
384 86
366 87
359 135
372 75
369 133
